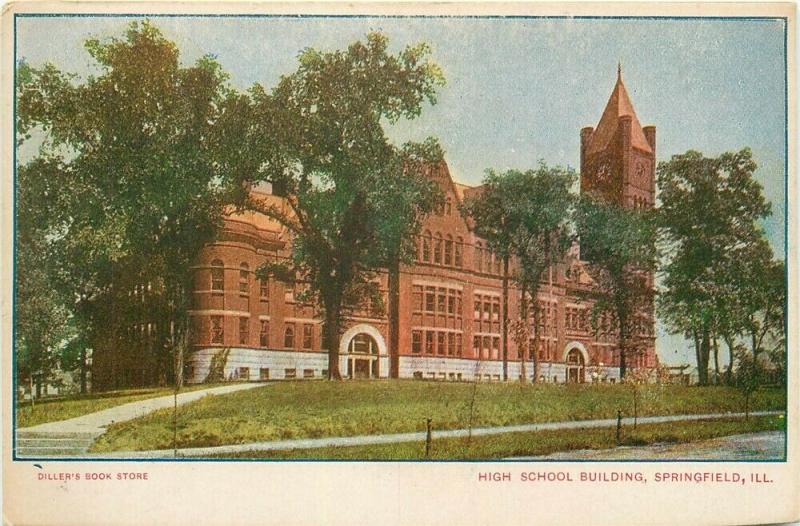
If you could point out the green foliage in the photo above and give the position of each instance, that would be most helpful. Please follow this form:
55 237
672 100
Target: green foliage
130 176
526 215
216 369
345 185
619 248
720 278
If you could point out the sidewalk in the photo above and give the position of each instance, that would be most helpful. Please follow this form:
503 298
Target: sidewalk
364 440
98 421
73 437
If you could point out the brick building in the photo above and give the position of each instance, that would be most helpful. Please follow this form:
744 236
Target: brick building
450 299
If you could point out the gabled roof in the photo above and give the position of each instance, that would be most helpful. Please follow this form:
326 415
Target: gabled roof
619 104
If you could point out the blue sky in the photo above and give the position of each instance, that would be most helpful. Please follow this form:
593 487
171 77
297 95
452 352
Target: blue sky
519 90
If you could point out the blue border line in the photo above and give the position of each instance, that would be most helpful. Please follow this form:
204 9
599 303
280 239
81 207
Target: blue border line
454 17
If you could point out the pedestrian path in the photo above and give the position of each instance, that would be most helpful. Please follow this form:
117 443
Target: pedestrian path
366 440
73 437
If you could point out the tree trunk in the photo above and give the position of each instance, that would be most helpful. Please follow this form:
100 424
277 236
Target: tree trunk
716 359
505 317
537 340
332 340
729 372
83 370
522 344
394 317
705 352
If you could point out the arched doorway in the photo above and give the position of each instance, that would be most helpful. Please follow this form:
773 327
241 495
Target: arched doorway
576 367
362 357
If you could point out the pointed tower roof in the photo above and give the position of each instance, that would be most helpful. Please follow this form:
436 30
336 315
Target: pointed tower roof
619 104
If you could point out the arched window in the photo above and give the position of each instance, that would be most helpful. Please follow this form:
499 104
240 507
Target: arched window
448 250
288 336
217 276
426 246
459 248
437 249
244 279
478 256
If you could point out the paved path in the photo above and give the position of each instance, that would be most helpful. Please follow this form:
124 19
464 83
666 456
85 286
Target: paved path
74 436
767 445
365 440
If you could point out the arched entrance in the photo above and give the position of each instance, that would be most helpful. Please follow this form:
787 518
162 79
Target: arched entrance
575 358
362 357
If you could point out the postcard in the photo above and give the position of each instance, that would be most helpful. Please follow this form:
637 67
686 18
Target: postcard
454 263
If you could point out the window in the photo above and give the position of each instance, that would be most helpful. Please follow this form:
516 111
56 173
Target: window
430 299
263 335
441 301
428 342
416 342
307 336
476 346
497 260
459 250
448 250
437 249
487 308
426 247
217 329
244 331
496 309
263 373
487 346
288 337
244 282
243 373
478 257
290 373
459 304
476 303
308 373
495 348
451 302
417 375
417 298
217 276
487 260
451 343
441 343
264 290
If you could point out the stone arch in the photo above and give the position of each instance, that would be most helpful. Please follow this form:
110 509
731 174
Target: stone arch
580 347
350 333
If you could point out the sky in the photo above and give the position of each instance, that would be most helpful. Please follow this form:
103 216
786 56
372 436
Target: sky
518 89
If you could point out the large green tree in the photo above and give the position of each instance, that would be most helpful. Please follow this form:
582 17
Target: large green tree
716 251
135 151
528 214
328 154
618 246
407 196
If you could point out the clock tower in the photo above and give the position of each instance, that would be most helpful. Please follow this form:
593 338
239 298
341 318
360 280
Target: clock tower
618 158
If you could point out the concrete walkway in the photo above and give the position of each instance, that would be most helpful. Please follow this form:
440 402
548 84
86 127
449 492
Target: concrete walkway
366 440
74 436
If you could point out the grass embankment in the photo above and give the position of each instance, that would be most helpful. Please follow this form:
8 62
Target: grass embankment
533 443
53 410
288 410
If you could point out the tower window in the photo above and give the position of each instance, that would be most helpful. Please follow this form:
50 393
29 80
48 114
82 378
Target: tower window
217 276
244 282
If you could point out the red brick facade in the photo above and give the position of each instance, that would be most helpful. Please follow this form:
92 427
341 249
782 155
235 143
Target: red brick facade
450 299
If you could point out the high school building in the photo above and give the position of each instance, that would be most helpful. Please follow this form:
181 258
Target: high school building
450 298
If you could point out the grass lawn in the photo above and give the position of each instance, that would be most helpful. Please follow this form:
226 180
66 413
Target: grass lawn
69 407
533 443
286 410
